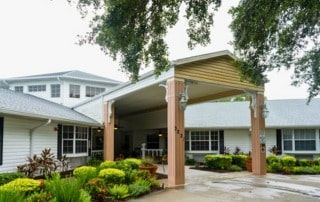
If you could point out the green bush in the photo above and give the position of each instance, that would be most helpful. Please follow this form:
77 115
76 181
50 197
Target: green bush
21 185
288 161
84 173
274 167
190 161
107 164
118 192
68 189
112 175
235 168
305 170
11 196
218 162
319 161
306 162
133 162
272 158
239 160
139 187
8 177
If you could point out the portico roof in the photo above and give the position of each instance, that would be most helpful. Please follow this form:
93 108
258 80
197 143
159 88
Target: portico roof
209 76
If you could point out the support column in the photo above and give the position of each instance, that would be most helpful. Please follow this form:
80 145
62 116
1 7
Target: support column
108 136
258 135
176 151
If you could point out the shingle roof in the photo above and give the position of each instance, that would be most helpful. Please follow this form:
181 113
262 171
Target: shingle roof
75 74
21 104
283 114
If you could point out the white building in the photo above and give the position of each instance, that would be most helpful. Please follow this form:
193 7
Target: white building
66 88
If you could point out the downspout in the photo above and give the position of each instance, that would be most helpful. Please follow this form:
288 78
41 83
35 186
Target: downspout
31 134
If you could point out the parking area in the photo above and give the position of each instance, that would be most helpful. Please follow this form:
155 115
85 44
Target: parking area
239 186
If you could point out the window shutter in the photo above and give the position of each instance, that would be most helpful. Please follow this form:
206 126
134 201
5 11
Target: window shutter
279 140
59 141
1 140
221 141
89 142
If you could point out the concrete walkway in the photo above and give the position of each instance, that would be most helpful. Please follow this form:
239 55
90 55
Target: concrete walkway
205 186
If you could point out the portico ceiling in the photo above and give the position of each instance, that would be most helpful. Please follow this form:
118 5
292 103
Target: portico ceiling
209 77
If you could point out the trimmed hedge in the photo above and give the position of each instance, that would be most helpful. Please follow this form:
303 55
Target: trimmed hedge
288 161
112 175
8 177
21 185
218 162
108 164
272 158
239 160
85 173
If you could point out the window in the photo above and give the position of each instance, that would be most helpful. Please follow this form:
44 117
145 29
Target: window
92 91
74 91
153 141
74 139
299 140
37 88
202 141
55 90
18 89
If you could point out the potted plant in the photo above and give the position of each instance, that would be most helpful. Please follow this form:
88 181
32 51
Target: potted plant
249 163
148 164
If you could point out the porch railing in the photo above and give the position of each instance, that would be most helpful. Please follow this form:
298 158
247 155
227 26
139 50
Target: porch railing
98 154
150 152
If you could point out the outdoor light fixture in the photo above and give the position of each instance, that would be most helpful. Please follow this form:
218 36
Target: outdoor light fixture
265 111
184 98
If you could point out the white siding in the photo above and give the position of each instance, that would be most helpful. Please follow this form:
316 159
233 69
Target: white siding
16 142
237 138
93 109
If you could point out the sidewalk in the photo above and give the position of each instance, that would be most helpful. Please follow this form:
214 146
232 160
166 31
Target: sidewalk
205 186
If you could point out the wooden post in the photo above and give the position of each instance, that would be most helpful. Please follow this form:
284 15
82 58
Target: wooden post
108 136
176 151
258 135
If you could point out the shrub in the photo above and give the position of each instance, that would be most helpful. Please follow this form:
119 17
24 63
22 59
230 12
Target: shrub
319 161
112 175
306 162
305 170
190 161
235 168
118 192
21 185
68 189
84 173
274 167
139 187
133 162
96 188
11 196
107 164
239 160
272 158
40 197
8 177
220 162
288 161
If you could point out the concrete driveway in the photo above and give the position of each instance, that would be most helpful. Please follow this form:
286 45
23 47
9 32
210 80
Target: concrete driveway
205 186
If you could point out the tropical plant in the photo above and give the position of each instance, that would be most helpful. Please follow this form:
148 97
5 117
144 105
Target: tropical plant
63 163
41 196
274 150
118 192
97 188
31 167
48 163
139 187
68 189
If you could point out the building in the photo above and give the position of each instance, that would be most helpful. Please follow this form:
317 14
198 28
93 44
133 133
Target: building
178 106
29 124
66 88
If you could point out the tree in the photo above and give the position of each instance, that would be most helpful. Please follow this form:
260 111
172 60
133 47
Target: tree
275 34
134 30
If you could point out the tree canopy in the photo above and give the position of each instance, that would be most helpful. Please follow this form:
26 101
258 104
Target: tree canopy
267 34
278 33
134 30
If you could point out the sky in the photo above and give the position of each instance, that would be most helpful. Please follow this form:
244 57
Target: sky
40 36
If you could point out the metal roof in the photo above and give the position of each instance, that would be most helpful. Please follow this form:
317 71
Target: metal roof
20 104
75 74
290 113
